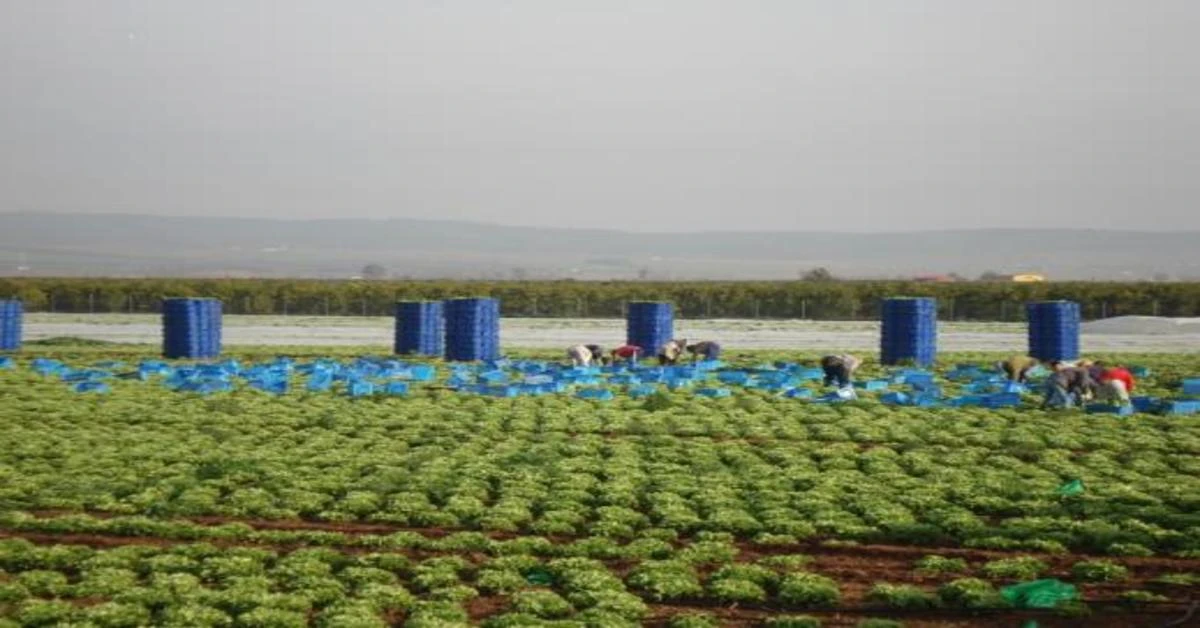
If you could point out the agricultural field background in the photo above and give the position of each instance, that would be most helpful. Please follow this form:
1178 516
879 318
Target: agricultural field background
150 506
547 333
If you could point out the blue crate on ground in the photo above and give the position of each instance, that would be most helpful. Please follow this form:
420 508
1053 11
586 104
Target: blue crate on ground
895 399
810 374
92 387
872 385
713 392
799 393
361 389
1108 408
737 378
1139 371
1180 406
595 394
396 388
1146 404
1191 386
1001 400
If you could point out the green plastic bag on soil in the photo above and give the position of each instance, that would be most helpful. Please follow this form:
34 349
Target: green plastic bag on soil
1039 593
1074 487
539 577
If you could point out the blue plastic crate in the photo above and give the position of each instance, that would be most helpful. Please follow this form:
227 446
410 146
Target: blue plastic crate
713 392
737 378
799 393
895 399
1107 408
595 394
1146 404
873 385
642 390
1191 386
92 387
1180 406
1001 400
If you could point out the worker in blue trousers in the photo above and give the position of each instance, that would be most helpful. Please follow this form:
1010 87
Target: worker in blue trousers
1068 386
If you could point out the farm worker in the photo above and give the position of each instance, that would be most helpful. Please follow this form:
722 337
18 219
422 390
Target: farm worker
629 353
1115 384
840 369
669 353
706 349
1067 386
1017 367
580 355
597 353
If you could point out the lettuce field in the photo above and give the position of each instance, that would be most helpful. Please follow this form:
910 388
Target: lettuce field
132 496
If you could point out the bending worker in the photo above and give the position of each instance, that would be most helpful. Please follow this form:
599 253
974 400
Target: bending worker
707 350
670 352
583 355
629 353
1067 386
1114 383
1017 367
840 369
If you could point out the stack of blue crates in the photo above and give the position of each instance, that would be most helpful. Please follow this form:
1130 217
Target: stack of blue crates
472 329
11 314
1053 330
909 331
649 325
191 328
420 328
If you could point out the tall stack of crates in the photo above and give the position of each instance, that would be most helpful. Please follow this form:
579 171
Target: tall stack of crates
420 328
191 328
1053 330
649 325
472 329
11 315
909 331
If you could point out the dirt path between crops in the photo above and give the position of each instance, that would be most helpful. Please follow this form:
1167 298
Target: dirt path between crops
553 333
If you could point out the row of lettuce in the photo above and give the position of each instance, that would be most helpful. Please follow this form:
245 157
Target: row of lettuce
202 584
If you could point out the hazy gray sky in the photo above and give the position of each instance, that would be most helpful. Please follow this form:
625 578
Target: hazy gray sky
641 114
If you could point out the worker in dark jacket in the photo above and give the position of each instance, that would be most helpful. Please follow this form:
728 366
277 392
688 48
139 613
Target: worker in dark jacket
1017 367
840 369
1068 386
707 350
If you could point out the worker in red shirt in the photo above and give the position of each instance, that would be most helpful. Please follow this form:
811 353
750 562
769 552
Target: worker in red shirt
1116 382
629 353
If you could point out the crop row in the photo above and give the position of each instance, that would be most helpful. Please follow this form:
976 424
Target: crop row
206 585
761 468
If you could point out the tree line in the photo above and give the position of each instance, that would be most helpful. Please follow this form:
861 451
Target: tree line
819 300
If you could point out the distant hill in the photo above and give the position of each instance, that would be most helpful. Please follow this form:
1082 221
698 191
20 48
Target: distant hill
118 244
